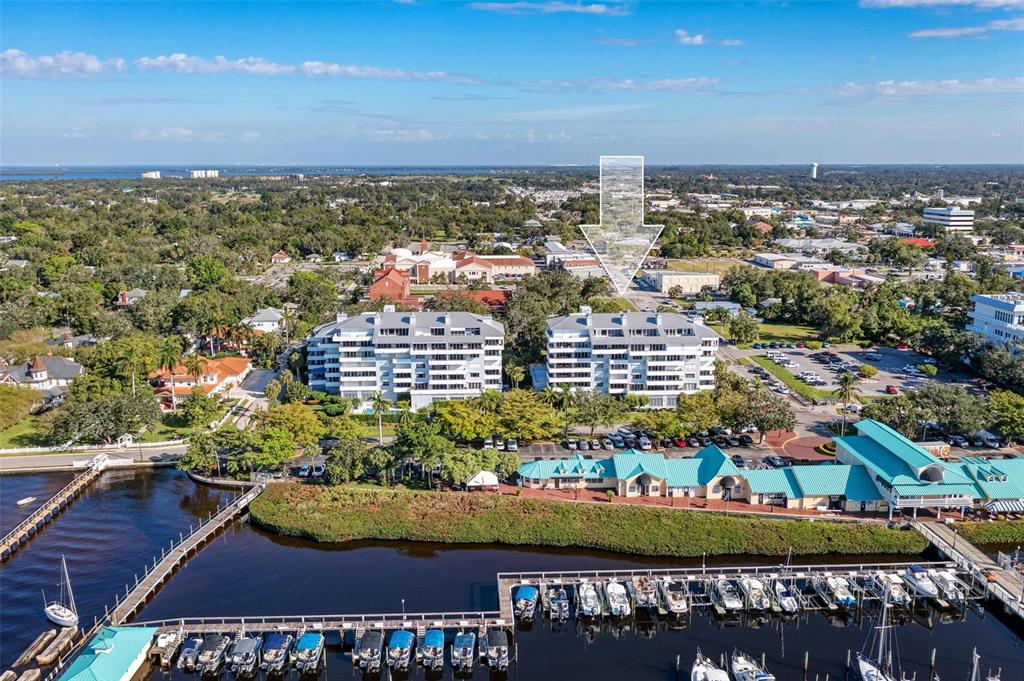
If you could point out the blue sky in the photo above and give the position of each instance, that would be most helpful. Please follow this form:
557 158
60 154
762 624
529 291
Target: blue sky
512 81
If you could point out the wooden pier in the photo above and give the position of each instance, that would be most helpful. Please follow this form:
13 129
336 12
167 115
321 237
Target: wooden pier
156 574
50 509
358 623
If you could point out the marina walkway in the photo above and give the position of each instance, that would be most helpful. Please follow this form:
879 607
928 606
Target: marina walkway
1007 586
156 574
50 509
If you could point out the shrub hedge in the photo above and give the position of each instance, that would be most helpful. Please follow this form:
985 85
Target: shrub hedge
995 532
337 514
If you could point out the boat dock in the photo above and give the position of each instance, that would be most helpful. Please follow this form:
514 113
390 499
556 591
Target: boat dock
156 574
981 572
51 508
357 624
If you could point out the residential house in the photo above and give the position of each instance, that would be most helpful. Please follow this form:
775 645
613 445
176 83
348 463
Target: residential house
129 298
391 283
265 320
49 374
216 377
280 258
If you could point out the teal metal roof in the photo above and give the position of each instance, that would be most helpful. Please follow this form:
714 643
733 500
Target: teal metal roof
894 471
773 481
110 654
853 482
714 463
896 444
577 466
683 472
998 479
632 463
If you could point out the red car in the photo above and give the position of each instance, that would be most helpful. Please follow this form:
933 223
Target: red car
902 346
891 390
680 442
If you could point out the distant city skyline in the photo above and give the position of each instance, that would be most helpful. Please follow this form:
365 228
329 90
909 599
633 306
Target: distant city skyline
512 82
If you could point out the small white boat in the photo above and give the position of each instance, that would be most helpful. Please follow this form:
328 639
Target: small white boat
753 589
889 583
746 668
834 590
949 586
706 670
674 596
63 610
784 595
917 579
724 595
26 500
618 600
644 593
589 603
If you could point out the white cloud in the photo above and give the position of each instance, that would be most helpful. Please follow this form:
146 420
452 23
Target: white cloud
732 42
18 64
570 113
405 135
895 89
163 135
618 42
179 62
1015 24
626 85
321 68
249 137
77 133
980 4
684 38
553 7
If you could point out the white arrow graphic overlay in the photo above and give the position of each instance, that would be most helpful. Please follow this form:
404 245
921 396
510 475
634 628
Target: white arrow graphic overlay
621 241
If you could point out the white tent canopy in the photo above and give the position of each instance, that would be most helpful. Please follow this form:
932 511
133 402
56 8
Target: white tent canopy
483 480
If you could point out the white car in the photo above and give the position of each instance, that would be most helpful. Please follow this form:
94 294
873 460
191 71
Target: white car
781 390
304 471
512 445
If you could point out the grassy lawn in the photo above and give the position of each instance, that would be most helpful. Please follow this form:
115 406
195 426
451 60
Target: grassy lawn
719 265
334 514
25 433
174 427
787 333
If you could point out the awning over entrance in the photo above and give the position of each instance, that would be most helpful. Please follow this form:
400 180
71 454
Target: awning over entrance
1005 507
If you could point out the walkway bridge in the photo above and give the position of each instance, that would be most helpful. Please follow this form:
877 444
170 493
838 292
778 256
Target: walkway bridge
51 508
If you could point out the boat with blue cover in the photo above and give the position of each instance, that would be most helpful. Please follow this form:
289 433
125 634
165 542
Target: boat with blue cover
400 648
276 648
431 650
464 651
308 651
370 651
244 658
525 603
558 604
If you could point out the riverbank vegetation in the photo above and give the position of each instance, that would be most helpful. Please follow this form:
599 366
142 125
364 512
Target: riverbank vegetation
337 514
995 532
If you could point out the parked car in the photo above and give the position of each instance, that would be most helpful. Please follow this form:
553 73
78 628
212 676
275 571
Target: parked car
734 441
891 390
721 441
595 444
571 444
746 440
957 441
680 441
606 443
667 442
644 443
902 346
583 444
739 461
617 441
499 444
305 470
512 445
630 442
693 442
873 357
774 461
488 443
319 470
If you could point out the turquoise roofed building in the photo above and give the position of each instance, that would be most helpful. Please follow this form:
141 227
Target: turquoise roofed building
114 654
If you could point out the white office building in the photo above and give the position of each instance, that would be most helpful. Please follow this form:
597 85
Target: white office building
426 356
151 175
950 219
203 174
688 282
659 355
998 317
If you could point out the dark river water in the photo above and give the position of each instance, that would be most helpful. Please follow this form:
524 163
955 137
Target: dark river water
111 532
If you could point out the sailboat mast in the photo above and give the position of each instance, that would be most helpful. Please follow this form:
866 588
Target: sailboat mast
66 584
881 628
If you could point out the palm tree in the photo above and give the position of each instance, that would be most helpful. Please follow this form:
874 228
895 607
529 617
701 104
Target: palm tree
169 357
847 393
515 373
548 395
194 367
566 400
380 405
129 361
489 400
404 412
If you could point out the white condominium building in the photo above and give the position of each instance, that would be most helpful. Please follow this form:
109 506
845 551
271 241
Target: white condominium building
998 317
950 219
660 355
426 355
203 174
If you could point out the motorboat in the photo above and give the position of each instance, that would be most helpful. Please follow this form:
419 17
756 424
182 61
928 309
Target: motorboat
675 597
308 651
371 651
430 652
558 604
62 611
25 501
644 593
190 653
618 599
166 646
949 587
723 594
497 649
525 601
835 590
464 651
918 580
746 668
785 597
756 596
589 604
400 649
276 648
211 654
888 583
244 658
706 670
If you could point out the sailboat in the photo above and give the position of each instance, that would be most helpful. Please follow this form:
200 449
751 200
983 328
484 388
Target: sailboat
62 611
875 669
